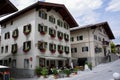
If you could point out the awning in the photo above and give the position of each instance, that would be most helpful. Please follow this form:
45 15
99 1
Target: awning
1 66
53 58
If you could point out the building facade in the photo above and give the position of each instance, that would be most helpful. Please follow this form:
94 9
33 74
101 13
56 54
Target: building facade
118 48
38 35
91 43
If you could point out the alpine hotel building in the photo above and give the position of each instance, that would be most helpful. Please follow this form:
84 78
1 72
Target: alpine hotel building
38 35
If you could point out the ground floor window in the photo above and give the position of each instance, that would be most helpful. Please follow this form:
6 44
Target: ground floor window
42 62
1 62
5 62
14 63
26 63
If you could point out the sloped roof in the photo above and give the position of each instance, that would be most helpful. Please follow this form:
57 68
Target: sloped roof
60 8
6 7
92 26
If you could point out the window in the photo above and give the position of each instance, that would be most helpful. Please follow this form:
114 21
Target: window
84 49
5 62
72 39
52 47
66 37
27 29
14 63
66 48
52 32
14 48
52 19
73 50
79 38
99 38
26 63
26 46
11 23
98 50
42 14
95 37
15 33
60 49
1 62
42 46
60 35
2 49
66 26
59 23
42 28
7 35
6 49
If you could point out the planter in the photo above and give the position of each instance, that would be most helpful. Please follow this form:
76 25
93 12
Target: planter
53 51
43 50
43 32
52 35
60 51
60 38
55 76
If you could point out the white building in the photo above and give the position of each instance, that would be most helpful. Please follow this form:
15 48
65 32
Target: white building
38 35
91 43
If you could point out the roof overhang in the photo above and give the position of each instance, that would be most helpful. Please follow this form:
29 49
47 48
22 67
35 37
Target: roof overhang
60 8
6 7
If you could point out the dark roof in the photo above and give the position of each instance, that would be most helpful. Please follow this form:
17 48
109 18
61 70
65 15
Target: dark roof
57 7
93 26
118 45
6 7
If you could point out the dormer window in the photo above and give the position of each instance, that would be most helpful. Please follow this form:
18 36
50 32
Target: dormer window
60 49
42 29
14 48
26 46
27 29
42 46
66 37
60 35
52 19
52 47
52 32
15 33
42 14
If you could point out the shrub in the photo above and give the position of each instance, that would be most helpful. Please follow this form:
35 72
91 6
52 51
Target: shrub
44 72
67 72
38 70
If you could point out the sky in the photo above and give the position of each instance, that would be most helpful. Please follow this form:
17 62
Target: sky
87 12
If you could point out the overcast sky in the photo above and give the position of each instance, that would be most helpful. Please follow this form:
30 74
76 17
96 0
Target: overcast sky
87 11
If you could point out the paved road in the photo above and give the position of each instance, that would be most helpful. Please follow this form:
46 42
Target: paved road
101 72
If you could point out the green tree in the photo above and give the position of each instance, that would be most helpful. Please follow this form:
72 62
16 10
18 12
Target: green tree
113 50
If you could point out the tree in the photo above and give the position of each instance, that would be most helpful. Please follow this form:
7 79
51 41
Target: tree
113 50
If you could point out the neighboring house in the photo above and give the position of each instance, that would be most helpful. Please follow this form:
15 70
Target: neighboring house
6 7
38 35
91 43
118 48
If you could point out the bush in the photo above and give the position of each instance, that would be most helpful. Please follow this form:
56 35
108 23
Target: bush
55 72
11 78
67 72
38 70
44 71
